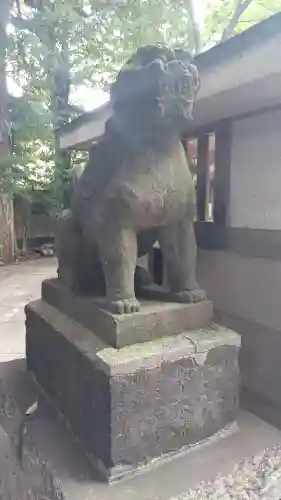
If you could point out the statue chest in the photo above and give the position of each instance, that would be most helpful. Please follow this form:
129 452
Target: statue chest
156 192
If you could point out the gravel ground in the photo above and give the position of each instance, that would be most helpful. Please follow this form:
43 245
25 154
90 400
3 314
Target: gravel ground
258 478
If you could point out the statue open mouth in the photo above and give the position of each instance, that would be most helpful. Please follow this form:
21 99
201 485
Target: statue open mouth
158 78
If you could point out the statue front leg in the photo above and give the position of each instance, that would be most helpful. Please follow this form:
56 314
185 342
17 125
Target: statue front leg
118 254
179 249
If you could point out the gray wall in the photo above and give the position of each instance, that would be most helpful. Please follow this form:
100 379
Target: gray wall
247 287
245 281
255 197
246 292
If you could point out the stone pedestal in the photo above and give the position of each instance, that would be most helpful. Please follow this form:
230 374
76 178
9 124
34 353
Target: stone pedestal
131 405
157 318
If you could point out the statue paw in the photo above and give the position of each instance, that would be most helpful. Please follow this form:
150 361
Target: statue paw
190 296
124 306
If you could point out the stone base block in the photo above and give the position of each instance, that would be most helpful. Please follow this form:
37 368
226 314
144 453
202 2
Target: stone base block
156 318
39 459
143 401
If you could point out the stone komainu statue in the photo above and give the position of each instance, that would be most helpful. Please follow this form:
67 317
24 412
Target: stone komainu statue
136 188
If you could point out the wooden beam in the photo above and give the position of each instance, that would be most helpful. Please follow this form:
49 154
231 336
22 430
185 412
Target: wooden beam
203 176
223 137
255 243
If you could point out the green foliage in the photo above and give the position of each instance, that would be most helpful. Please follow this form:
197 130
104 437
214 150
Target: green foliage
56 45
53 42
256 12
220 13
118 33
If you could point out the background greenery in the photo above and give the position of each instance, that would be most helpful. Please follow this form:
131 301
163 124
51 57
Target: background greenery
48 48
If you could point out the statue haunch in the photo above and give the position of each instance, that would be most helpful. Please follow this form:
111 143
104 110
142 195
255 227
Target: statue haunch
136 188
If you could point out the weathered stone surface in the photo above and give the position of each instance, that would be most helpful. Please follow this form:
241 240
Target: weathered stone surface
136 188
176 404
52 465
156 319
131 405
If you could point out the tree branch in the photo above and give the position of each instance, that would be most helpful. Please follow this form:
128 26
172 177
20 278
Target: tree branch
195 26
20 38
240 8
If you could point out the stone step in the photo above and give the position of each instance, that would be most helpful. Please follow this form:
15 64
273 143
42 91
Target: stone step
156 318
246 457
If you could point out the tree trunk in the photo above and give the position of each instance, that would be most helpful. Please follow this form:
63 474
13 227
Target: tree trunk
7 230
22 211
60 101
195 26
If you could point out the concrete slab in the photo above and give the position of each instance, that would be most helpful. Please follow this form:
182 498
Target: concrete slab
19 284
14 484
56 468
11 338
